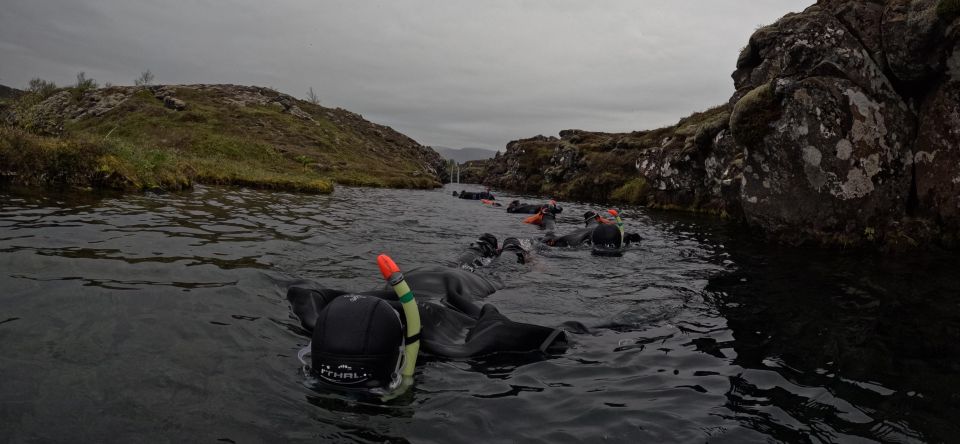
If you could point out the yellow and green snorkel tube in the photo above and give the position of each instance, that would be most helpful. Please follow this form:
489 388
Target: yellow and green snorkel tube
616 216
390 272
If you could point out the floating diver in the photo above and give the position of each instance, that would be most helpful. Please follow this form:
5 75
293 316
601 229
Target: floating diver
606 237
524 208
370 340
475 195
485 250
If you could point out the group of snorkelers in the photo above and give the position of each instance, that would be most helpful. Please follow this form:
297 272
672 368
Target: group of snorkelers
369 341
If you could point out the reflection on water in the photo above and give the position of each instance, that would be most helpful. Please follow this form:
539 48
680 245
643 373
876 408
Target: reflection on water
164 316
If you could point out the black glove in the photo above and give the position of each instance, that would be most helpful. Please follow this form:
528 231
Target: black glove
488 244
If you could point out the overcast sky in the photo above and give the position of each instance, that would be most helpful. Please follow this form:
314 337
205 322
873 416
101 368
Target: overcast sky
445 72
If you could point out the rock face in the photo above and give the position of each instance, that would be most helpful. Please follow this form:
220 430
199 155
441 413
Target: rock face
844 128
824 134
691 165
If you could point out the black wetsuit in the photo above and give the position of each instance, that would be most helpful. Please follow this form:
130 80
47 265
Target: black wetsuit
577 237
525 208
485 250
454 323
476 195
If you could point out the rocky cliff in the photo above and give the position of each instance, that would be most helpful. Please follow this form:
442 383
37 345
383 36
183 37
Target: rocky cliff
844 128
170 135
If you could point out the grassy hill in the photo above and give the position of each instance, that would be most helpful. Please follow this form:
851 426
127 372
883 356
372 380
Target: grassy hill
172 136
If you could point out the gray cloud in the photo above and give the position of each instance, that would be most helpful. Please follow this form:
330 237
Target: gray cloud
452 73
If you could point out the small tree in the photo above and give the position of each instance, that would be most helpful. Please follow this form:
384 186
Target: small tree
145 79
41 87
83 85
312 97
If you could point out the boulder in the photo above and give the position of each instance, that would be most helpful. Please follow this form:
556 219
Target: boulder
832 162
812 43
863 19
174 103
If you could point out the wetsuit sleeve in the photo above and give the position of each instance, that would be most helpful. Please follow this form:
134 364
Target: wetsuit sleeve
494 333
456 288
307 299
307 302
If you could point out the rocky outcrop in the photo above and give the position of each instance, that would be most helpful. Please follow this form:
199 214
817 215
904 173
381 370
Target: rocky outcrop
826 147
192 120
691 165
844 128
472 171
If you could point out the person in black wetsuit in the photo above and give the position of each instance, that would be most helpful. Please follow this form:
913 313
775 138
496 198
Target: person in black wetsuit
358 338
475 195
485 250
523 208
601 233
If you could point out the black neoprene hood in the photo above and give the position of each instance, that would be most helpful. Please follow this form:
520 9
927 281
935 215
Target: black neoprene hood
357 342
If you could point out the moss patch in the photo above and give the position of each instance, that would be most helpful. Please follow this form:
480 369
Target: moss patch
633 192
752 115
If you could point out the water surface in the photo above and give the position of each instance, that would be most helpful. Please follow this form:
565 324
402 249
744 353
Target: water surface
162 318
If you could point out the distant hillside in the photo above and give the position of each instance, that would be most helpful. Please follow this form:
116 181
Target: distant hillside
461 155
171 136
7 92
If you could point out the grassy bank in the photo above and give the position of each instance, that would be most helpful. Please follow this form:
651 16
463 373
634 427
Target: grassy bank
84 161
223 135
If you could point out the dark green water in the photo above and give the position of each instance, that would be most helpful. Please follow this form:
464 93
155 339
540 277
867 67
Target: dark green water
162 318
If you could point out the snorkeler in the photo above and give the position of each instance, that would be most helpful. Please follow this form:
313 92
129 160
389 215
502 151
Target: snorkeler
475 195
606 237
524 208
364 340
485 250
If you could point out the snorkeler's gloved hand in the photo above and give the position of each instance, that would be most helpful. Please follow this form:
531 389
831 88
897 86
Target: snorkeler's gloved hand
488 244
512 244
632 237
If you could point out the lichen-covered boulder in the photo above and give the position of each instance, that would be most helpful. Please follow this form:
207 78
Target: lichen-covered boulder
814 43
863 19
831 162
826 136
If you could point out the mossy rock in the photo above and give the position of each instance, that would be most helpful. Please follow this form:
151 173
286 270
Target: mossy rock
753 115
633 192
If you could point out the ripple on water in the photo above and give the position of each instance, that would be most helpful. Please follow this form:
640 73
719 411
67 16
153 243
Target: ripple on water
164 314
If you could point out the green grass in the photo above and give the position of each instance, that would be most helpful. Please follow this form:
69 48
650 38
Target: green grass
141 145
633 192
